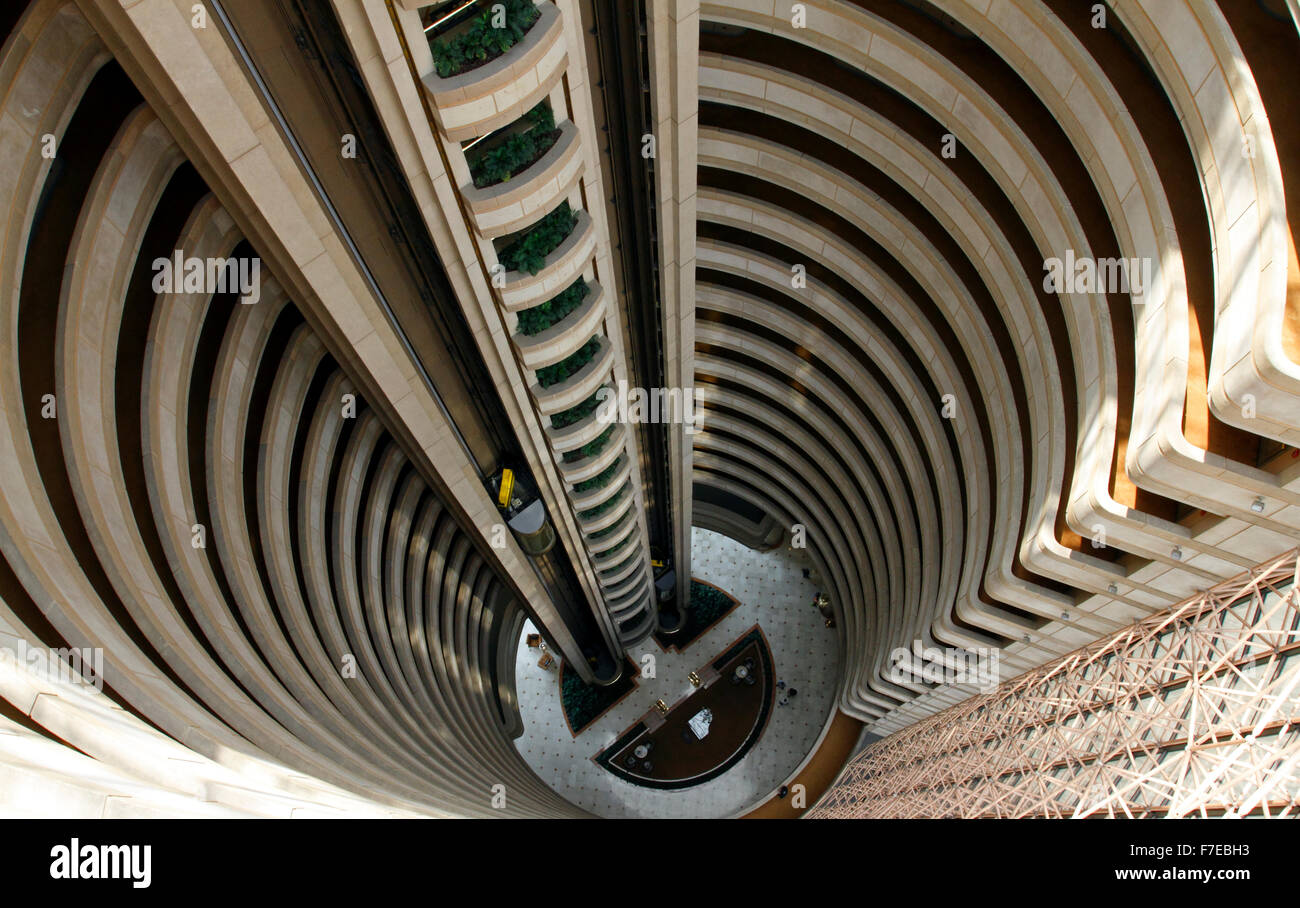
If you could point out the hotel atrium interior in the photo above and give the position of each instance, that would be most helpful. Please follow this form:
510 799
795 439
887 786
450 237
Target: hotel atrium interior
649 408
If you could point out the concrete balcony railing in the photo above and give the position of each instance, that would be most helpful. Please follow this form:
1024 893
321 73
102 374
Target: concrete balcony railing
631 611
618 590
586 500
622 590
499 92
620 560
513 205
637 630
565 336
624 563
616 563
578 386
618 583
598 546
588 467
576 435
608 519
626 605
619 564
561 268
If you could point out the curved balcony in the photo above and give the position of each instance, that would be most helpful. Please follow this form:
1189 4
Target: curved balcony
627 562
576 435
561 268
477 102
593 497
621 564
565 336
608 519
578 386
598 546
578 470
514 204
618 589
626 605
636 630
617 562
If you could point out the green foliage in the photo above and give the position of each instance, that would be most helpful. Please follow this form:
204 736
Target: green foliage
481 42
582 703
590 449
554 374
707 606
576 413
600 480
622 565
539 318
593 513
529 252
709 600
541 116
518 151
601 534
617 548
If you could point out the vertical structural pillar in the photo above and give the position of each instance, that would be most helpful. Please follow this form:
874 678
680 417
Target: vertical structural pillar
674 35
551 326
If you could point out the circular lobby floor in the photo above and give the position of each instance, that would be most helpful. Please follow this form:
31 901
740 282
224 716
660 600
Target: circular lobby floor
768 744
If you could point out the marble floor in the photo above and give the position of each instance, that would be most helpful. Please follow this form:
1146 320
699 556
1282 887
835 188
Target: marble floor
774 594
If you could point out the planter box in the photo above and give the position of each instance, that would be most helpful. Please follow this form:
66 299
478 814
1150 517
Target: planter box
628 557
501 91
578 386
633 565
522 200
637 630
565 336
627 605
608 519
592 497
620 589
599 546
561 268
588 467
576 435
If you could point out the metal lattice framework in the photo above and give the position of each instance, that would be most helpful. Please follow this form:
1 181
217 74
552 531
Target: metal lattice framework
1191 712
